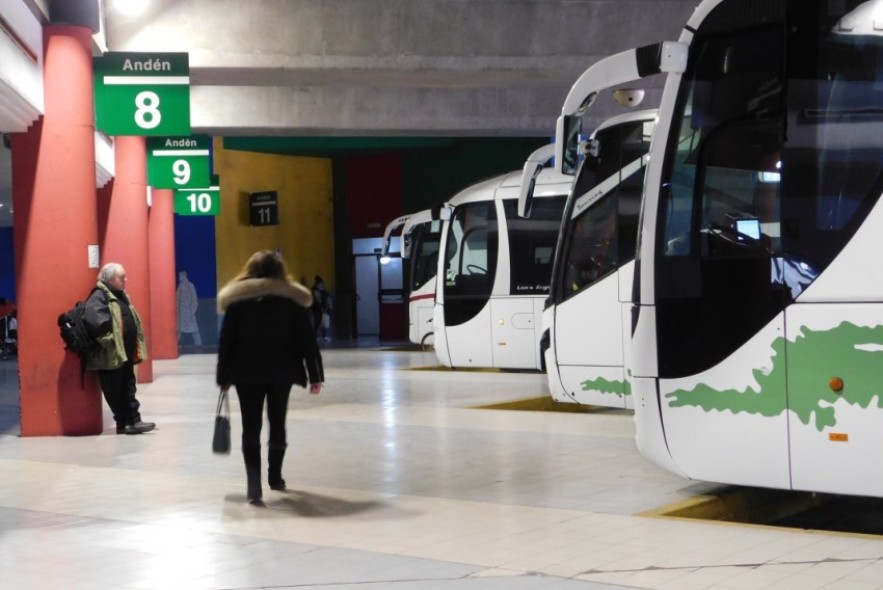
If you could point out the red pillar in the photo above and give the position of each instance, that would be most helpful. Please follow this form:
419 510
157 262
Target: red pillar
161 235
53 194
125 232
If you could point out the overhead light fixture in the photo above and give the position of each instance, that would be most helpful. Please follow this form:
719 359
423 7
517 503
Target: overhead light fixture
131 7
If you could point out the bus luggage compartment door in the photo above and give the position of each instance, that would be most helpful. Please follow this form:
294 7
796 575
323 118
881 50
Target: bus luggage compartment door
514 333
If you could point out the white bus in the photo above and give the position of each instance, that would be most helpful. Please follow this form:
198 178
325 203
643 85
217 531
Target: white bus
586 322
496 269
757 349
587 318
419 240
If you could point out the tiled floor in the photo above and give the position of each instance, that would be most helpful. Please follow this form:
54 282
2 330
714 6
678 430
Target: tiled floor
396 482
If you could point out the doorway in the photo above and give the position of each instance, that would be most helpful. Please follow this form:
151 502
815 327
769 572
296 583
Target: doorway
379 294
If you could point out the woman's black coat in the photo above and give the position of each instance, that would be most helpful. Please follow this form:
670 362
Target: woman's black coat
267 335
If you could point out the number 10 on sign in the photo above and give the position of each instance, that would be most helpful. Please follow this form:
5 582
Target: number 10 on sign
203 201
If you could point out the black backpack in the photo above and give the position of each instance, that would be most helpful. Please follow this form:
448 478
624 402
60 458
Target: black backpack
75 333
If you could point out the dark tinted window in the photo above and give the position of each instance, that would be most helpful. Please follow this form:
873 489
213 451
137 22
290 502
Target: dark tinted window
532 244
470 261
600 225
425 240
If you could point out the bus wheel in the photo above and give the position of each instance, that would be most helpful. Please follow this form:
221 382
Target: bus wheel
428 342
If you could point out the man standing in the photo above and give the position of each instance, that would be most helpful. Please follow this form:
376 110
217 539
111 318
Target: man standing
113 321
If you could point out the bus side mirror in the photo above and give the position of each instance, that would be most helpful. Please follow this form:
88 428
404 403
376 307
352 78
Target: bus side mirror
446 213
528 184
567 143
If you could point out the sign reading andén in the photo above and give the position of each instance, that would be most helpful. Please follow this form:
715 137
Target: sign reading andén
179 162
142 93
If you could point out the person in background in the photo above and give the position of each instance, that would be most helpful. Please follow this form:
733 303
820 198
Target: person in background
188 302
112 319
6 307
266 346
321 308
8 328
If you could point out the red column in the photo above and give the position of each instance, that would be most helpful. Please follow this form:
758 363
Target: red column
161 235
125 232
53 195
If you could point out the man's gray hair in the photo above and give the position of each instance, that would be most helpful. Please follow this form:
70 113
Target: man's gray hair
109 271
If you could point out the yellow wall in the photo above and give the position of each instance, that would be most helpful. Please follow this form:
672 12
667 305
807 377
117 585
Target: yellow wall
305 232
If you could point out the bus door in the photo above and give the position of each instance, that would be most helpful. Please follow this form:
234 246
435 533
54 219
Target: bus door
470 268
517 313
719 307
831 183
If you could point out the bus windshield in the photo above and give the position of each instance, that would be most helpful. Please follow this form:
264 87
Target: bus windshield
600 224
773 162
470 261
424 240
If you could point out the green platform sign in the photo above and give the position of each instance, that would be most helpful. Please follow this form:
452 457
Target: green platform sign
142 93
199 201
179 162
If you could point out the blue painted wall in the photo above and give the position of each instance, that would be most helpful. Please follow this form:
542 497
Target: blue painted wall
195 254
7 264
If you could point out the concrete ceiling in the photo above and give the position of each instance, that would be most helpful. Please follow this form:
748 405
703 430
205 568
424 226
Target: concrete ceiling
392 67
386 71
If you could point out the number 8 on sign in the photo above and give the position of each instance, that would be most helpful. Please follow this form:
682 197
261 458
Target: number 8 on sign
147 115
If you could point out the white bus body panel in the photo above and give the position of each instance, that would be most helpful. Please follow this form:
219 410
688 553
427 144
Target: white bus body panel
513 328
718 424
465 345
575 380
836 330
420 311
856 274
649 434
589 334
836 438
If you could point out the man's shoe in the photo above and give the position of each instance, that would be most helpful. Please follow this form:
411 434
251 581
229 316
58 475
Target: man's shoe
144 426
137 428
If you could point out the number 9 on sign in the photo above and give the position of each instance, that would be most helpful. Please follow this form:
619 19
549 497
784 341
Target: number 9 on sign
181 171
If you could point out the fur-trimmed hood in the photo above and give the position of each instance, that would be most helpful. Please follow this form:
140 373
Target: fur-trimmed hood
236 291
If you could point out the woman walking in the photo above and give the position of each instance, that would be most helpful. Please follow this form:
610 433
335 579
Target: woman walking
267 345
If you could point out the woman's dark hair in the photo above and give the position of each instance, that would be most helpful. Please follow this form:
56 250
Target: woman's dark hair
263 265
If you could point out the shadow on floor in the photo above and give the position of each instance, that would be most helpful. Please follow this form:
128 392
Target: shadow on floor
308 504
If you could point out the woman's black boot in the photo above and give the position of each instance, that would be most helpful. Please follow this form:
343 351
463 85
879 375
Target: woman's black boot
275 455
252 456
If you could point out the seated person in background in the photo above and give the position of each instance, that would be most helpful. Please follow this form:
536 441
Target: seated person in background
6 307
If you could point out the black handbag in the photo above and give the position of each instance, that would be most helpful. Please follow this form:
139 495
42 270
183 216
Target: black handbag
221 438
